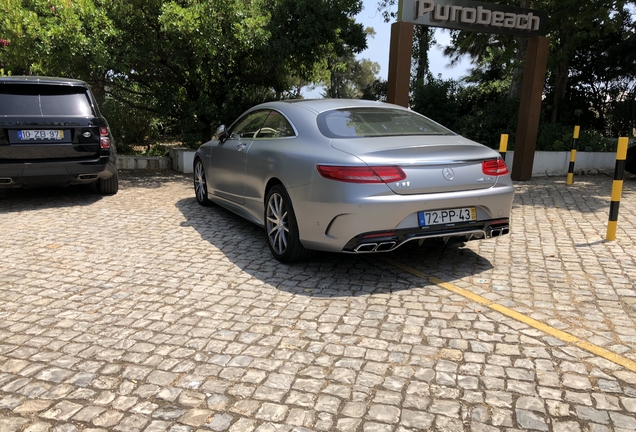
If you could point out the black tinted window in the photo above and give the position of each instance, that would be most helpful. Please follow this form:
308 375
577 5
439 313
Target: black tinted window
44 100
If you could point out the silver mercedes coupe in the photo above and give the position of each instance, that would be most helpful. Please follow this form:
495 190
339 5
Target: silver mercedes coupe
352 176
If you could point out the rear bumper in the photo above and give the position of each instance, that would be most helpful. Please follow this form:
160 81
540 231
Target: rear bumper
388 241
384 221
56 173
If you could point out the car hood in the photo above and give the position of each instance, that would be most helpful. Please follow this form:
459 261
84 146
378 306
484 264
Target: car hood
432 164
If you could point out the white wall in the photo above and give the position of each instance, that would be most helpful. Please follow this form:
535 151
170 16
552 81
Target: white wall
557 163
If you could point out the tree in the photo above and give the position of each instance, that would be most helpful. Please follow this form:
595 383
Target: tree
349 77
57 37
423 39
603 81
343 76
571 27
185 60
375 91
195 63
206 61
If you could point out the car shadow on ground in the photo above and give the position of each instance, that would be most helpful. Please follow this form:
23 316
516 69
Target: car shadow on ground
325 274
18 199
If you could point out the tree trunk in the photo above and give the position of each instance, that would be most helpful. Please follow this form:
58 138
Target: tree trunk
422 39
514 92
332 90
560 86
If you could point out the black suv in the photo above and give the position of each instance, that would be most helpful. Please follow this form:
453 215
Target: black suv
52 133
630 162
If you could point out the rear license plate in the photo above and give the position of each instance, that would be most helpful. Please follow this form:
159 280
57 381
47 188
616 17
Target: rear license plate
437 217
48 134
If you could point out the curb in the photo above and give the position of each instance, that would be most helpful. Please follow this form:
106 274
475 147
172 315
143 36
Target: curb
143 162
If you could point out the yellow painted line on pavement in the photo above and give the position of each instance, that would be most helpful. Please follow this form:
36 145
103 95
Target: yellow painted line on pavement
559 334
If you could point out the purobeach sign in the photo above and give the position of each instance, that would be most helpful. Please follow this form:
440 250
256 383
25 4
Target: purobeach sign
475 16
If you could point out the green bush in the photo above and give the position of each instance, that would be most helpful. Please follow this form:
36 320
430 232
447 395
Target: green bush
483 113
594 141
157 150
130 126
487 121
436 98
558 137
554 137
479 113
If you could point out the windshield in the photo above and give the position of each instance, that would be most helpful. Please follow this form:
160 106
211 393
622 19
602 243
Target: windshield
375 122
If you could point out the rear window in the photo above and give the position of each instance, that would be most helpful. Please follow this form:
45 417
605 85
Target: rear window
374 122
44 100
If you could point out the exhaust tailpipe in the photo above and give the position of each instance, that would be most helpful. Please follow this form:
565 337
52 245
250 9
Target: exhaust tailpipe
497 231
375 247
386 246
366 247
87 176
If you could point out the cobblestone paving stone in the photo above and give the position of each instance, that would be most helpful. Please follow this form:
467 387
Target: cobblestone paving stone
146 312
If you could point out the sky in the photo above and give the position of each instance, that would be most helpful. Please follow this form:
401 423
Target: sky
378 48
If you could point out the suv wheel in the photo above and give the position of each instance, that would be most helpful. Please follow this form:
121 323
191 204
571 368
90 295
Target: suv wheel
108 186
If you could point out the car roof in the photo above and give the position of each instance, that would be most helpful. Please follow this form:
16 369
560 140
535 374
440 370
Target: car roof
320 105
43 80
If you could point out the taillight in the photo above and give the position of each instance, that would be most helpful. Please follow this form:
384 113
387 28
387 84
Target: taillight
362 174
494 167
104 140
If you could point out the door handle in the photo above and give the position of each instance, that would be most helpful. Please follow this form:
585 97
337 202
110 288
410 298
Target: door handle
241 147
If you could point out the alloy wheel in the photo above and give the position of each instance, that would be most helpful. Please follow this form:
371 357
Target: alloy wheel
277 223
200 185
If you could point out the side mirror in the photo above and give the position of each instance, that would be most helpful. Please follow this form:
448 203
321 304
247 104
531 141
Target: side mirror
221 134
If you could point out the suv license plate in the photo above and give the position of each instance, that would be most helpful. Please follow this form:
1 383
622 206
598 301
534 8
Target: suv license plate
437 217
48 134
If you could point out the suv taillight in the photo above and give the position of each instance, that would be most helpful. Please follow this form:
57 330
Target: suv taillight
104 140
494 167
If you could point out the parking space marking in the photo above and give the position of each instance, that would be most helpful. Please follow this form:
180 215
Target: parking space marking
564 336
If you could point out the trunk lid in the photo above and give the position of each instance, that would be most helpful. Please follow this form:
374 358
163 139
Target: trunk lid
32 139
432 163
41 122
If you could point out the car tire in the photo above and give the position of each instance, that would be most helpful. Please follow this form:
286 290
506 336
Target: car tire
200 184
281 227
108 186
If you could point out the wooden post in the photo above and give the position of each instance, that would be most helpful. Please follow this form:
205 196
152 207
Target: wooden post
530 107
398 83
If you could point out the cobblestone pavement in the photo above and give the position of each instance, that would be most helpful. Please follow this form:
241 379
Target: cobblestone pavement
145 312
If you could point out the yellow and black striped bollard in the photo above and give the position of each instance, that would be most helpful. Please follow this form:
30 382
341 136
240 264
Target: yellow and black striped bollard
503 146
617 188
575 140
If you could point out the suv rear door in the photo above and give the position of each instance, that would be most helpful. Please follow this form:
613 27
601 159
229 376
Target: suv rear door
41 123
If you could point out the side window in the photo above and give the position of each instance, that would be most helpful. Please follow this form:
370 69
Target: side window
276 126
248 125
